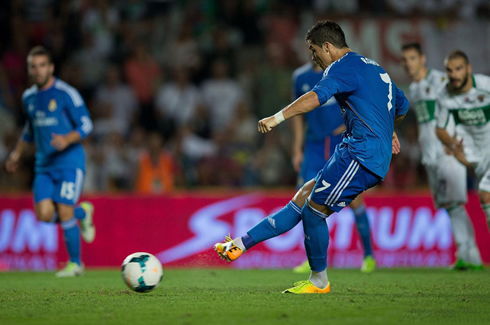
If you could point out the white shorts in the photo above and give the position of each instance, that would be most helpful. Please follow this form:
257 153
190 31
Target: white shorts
447 181
482 171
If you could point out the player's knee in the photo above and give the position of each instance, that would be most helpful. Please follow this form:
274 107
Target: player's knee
484 197
65 213
44 213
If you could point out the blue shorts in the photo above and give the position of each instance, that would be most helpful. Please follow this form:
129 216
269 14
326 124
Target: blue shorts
315 156
60 185
341 180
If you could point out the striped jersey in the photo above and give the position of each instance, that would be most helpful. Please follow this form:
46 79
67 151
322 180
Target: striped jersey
57 110
422 95
471 114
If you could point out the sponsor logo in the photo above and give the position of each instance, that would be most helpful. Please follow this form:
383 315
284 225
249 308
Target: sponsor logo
341 204
424 237
30 108
472 116
25 243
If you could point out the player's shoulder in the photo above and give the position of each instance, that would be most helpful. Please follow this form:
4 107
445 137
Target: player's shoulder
343 64
481 81
70 91
301 71
29 92
437 76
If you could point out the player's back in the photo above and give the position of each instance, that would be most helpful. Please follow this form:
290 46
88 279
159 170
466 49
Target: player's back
324 120
369 101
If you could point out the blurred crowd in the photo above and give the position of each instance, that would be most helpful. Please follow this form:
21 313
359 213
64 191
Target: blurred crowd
175 88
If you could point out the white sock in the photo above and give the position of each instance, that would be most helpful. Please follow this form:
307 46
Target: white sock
464 235
239 243
319 279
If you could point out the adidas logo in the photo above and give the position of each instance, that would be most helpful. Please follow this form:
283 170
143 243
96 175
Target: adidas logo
341 204
272 222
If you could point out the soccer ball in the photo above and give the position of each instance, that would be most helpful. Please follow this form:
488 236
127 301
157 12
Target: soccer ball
142 272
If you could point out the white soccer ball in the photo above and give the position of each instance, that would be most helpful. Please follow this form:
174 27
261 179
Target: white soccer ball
142 272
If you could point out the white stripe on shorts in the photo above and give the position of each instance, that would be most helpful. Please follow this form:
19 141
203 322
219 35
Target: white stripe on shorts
346 183
78 185
339 182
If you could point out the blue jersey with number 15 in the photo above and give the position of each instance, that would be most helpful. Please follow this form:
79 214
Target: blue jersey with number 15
369 101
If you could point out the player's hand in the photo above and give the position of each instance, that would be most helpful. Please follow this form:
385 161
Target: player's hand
12 162
395 144
266 124
458 152
59 141
297 159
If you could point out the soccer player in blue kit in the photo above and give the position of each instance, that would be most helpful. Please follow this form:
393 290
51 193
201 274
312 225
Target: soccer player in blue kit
372 106
56 121
313 147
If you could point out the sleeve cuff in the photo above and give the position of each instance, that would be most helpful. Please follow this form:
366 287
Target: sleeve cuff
322 97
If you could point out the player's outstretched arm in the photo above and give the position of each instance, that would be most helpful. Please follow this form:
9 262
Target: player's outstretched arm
302 105
25 140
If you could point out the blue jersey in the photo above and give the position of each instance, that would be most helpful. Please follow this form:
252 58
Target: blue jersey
321 122
369 101
57 110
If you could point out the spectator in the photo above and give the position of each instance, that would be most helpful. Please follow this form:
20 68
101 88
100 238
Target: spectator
222 96
176 102
156 168
117 105
143 74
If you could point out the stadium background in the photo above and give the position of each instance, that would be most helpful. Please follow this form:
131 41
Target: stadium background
187 81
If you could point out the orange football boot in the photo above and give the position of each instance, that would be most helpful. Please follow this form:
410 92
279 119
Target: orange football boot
228 250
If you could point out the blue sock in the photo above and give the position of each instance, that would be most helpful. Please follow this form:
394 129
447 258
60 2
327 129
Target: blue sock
316 237
274 225
362 223
79 213
72 239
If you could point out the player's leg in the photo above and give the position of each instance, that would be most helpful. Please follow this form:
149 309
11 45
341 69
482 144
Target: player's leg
341 181
314 160
272 226
362 223
483 173
68 186
43 188
450 192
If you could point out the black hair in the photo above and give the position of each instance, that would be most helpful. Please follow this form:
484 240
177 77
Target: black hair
413 46
327 31
41 50
457 54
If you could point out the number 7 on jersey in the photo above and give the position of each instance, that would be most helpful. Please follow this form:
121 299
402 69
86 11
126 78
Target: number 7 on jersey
386 78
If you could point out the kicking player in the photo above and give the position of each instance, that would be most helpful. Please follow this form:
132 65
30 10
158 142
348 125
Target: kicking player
371 105
467 99
447 177
56 121
324 127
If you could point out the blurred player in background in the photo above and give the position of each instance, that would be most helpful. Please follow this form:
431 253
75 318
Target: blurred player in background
466 99
447 177
314 146
372 106
56 121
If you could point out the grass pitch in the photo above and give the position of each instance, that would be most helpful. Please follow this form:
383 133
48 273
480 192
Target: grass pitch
205 296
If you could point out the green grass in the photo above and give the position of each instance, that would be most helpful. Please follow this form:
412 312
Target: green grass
204 296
